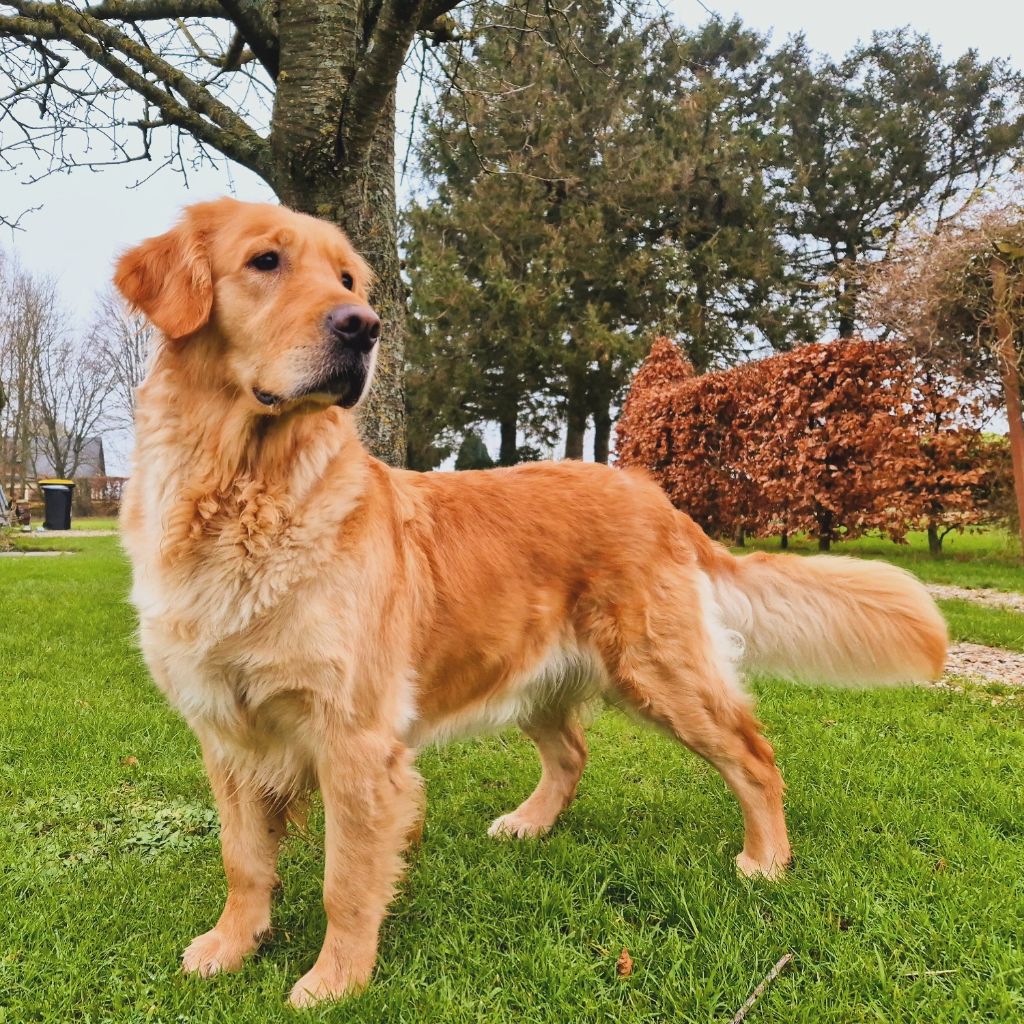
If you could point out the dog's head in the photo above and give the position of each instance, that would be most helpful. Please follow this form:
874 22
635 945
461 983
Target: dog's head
279 297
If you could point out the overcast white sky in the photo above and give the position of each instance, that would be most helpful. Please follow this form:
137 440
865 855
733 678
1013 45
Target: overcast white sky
88 217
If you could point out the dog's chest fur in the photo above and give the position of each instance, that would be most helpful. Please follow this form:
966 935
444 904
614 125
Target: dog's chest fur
241 645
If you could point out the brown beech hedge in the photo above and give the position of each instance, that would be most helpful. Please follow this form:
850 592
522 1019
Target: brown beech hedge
833 439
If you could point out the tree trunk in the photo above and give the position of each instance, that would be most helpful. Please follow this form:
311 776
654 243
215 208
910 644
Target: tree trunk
310 174
576 419
23 434
508 454
784 541
602 434
849 292
934 540
1009 371
741 537
825 521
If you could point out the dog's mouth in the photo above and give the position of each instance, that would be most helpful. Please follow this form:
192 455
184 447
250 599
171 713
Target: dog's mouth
331 392
343 385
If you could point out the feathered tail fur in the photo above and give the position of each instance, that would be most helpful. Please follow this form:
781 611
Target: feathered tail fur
829 619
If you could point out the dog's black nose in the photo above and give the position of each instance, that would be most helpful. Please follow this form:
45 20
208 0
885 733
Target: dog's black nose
355 327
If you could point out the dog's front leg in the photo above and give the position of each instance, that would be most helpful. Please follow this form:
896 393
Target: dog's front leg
372 800
251 829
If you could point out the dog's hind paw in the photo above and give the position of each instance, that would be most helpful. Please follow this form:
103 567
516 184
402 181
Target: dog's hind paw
515 826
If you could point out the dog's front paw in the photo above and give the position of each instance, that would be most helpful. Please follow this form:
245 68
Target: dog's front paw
320 986
517 826
770 868
213 953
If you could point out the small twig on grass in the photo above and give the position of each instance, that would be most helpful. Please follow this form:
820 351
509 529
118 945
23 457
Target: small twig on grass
741 1014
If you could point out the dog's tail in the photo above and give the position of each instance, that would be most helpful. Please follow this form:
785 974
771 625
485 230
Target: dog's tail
828 619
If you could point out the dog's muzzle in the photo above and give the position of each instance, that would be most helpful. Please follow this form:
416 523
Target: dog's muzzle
354 332
349 359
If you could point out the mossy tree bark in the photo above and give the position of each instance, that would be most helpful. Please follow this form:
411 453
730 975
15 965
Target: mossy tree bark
333 146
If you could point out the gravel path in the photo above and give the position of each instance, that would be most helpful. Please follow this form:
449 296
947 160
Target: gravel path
979 595
77 533
975 661
33 554
985 664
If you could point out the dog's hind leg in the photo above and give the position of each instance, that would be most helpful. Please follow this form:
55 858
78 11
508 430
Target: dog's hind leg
719 727
563 755
678 674
252 826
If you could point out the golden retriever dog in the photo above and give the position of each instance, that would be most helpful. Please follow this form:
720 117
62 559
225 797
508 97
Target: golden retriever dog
317 617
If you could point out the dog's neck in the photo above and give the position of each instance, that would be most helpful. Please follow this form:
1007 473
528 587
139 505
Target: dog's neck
230 467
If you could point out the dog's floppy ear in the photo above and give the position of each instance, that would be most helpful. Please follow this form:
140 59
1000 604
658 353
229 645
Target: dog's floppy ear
169 279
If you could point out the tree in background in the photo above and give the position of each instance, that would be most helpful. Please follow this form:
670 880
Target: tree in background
890 132
121 340
473 453
57 385
29 319
73 383
957 482
693 183
575 206
957 296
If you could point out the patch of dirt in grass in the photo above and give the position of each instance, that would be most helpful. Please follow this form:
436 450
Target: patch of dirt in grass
990 664
979 595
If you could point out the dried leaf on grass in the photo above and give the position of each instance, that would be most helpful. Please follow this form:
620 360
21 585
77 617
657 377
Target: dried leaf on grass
624 965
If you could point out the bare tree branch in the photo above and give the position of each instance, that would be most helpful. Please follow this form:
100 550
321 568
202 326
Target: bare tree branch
72 389
122 341
257 25
154 10
14 223
202 114
434 9
384 55
116 10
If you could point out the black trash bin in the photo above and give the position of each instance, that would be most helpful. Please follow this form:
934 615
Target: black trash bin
57 499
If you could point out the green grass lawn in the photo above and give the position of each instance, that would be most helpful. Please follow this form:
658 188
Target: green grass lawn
94 523
906 902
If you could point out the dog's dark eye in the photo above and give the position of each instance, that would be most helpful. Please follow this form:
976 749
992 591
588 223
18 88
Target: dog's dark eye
347 281
265 261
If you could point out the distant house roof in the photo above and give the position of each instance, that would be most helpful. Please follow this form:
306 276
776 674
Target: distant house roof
92 462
